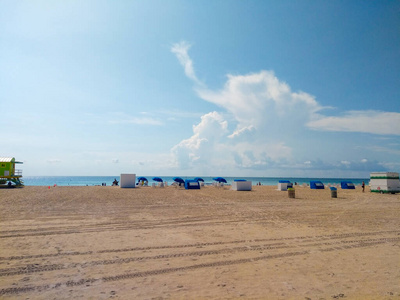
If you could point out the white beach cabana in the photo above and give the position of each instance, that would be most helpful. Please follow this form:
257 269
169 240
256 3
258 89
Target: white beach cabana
128 181
241 185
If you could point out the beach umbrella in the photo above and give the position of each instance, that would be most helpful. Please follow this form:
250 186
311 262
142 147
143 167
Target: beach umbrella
142 179
220 179
199 179
157 179
178 179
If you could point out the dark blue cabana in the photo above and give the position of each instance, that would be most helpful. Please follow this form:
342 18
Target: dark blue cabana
316 185
157 179
199 179
347 185
142 179
192 185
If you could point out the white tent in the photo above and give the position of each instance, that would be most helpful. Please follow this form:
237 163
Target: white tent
128 181
241 185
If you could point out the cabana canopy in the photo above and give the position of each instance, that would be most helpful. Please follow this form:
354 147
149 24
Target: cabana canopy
199 179
316 185
347 185
157 179
142 179
192 185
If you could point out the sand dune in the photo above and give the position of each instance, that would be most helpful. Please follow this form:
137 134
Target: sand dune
213 243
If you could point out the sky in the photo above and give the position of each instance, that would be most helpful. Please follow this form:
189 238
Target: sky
201 88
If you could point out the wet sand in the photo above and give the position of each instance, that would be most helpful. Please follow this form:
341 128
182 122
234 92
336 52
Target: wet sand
213 243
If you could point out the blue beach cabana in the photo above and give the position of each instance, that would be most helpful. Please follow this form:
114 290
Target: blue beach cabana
192 184
199 179
347 185
316 185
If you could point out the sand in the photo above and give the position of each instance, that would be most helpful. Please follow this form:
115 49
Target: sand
213 243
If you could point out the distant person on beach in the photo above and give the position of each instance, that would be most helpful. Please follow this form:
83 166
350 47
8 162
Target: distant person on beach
363 186
115 182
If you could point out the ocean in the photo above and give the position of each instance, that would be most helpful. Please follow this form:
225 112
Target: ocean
99 180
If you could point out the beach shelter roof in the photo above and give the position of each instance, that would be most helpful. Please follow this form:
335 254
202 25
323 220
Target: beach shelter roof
178 179
157 179
9 159
347 185
220 179
315 184
199 179
142 179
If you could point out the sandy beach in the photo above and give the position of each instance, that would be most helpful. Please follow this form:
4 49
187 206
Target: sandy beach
214 243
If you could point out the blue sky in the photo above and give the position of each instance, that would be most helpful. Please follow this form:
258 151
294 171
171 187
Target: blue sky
227 88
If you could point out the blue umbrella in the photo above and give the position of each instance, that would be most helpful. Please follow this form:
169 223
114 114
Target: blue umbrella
142 179
178 179
157 179
220 179
199 179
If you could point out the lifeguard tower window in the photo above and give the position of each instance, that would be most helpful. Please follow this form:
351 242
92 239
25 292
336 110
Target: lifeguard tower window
3 165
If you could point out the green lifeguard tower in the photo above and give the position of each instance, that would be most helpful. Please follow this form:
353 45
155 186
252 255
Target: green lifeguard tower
9 173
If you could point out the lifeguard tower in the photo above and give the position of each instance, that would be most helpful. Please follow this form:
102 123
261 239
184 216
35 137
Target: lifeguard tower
8 171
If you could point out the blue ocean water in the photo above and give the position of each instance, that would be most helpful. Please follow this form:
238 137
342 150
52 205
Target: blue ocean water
99 180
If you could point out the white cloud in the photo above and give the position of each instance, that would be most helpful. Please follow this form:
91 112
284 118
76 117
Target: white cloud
260 107
385 149
263 111
181 51
204 144
54 161
138 121
211 145
258 99
375 122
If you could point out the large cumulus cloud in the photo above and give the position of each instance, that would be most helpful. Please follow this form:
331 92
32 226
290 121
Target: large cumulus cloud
263 112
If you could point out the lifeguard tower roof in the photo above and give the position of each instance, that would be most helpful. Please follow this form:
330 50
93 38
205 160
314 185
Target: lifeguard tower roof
10 159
